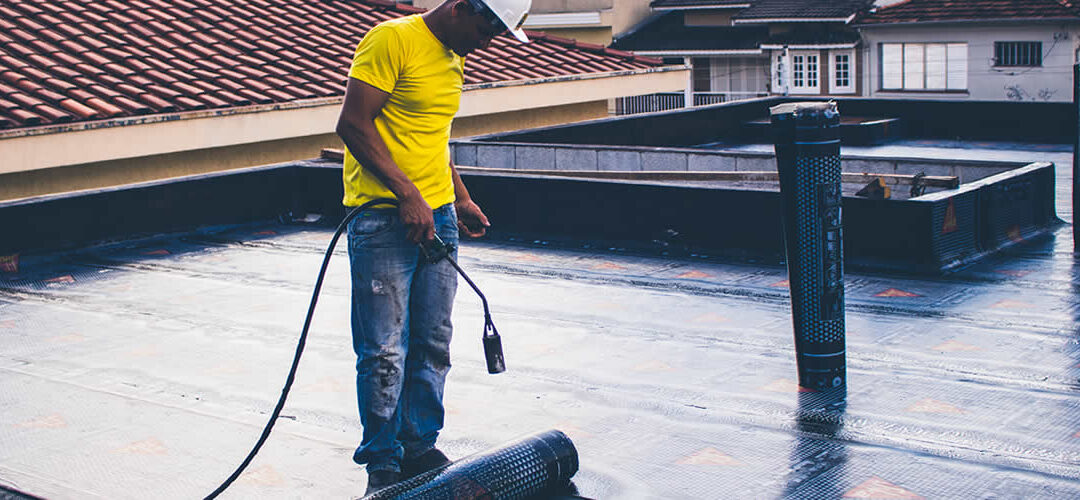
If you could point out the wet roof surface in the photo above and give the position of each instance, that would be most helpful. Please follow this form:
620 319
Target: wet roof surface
146 368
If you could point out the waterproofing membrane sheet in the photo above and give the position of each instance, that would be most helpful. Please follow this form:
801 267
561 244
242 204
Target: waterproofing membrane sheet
146 369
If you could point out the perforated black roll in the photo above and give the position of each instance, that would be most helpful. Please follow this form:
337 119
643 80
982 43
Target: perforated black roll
527 468
807 141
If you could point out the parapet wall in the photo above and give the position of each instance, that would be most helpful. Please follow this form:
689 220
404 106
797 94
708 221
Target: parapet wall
573 157
934 232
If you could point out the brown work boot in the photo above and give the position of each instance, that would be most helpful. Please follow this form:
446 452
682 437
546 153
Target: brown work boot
429 460
380 479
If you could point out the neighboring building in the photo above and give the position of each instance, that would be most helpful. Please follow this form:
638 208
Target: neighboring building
1021 50
101 93
749 48
812 48
727 60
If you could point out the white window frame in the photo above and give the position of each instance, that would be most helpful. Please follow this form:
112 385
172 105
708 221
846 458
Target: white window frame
780 65
1021 52
805 72
923 66
834 74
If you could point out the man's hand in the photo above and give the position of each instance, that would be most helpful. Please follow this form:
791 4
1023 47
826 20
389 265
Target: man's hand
417 216
471 220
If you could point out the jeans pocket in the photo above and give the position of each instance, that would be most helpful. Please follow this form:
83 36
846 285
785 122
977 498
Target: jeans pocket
369 224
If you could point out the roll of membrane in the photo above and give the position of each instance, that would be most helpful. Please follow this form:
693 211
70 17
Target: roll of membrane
807 141
536 465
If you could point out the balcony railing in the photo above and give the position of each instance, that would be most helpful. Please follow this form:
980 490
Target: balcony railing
676 100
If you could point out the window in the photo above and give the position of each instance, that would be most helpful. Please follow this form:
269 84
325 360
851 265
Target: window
1017 53
779 69
804 72
924 66
843 73
702 75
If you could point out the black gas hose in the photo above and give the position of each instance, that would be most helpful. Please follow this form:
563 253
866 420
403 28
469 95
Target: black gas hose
434 251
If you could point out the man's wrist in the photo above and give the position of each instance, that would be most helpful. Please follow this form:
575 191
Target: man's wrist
410 193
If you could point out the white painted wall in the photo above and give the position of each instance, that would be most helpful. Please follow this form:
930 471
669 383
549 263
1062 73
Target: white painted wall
1051 82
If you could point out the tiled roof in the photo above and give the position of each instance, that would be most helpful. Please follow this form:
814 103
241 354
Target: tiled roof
81 60
665 4
814 37
913 11
668 32
802 9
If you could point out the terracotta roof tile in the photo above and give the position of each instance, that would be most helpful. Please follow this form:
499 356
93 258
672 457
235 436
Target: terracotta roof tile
298 92
105 91
104 106
80 110
56 115
92 42
75 60
160 105
130 90
190 103
41 61
132 106
188 88
61 85
81 94
26 118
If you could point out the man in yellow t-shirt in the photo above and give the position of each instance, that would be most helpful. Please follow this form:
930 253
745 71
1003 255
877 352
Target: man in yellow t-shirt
403 91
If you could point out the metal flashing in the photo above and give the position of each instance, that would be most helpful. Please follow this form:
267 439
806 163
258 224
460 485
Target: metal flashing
824 46
764 20
702 7
680 53
564 19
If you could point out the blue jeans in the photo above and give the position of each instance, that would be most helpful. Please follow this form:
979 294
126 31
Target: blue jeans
401 335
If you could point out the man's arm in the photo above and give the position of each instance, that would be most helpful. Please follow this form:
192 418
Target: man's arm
471 220
356 127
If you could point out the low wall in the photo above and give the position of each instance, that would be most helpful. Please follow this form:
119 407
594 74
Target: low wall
934 232
530 156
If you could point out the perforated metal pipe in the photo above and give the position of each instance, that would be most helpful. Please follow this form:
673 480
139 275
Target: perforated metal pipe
535 465
807 142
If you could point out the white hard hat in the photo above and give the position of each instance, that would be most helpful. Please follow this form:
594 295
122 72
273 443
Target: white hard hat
512 13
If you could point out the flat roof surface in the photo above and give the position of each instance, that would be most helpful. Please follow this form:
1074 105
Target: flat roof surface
146 369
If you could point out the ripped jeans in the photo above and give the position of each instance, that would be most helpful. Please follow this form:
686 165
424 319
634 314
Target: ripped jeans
401 335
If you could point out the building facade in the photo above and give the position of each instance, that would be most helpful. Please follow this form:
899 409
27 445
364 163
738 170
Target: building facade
741 49
995 50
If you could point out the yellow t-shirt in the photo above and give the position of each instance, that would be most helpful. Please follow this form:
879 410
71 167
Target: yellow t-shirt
424 79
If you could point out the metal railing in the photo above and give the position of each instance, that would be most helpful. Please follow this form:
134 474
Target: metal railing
676 100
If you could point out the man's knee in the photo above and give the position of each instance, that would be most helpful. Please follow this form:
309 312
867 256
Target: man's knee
381 379
433 350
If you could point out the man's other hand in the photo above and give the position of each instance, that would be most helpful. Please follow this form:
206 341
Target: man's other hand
471 220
